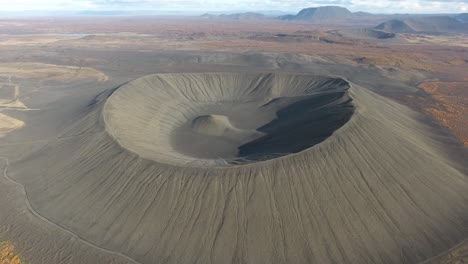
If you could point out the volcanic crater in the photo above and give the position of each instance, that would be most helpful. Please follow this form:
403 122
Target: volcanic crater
225 119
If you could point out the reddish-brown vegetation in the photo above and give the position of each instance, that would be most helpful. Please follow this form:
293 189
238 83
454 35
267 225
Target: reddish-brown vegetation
8 255
451 106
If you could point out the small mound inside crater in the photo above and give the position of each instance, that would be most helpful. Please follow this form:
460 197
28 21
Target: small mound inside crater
222 119
212 137
212 125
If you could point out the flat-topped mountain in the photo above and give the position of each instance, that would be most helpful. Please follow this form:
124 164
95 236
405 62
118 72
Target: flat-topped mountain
321 13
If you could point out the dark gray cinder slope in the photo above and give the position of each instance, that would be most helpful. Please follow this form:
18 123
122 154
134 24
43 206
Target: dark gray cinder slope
379 189
434 24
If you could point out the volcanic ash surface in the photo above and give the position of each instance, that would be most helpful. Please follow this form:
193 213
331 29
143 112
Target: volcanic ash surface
251 168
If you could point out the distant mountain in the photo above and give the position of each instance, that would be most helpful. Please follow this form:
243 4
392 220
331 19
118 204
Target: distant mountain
432 24
208 15
247 15
321 13
130 13
463 17
238 16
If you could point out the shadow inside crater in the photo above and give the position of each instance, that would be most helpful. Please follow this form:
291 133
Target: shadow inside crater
299 126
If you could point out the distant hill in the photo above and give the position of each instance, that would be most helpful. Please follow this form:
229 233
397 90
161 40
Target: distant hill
433 24
238 16
463 17
320 13
395 26
208 15
362 14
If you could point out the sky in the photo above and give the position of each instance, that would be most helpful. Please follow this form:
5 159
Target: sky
194 6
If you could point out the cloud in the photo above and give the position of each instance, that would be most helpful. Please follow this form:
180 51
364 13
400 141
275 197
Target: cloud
376 6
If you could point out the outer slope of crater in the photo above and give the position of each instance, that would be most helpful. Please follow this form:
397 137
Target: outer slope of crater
380 189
